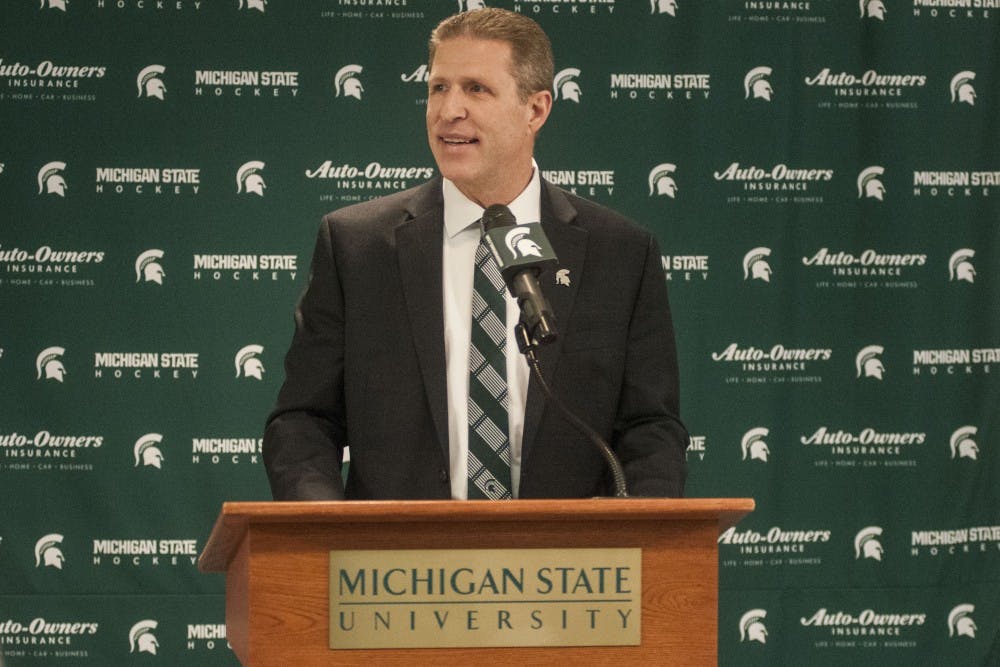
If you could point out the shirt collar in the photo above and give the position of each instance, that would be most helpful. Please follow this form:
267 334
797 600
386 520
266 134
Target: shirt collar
460 212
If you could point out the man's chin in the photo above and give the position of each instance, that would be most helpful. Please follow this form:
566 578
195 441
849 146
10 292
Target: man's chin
456 159
458 174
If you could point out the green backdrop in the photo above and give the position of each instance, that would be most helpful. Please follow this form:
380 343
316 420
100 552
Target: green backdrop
823 177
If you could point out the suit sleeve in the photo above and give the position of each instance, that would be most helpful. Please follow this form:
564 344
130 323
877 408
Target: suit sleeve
305 433
648 436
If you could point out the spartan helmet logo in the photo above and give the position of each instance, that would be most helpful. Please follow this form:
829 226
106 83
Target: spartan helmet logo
259 6
248 178
866 544
48 553
755 83
148 269
873 9
50 181
660 181
48 362
961 88
868 363
869 185
960 621
752 626
755 265
347 81
753 444
141 637
147 451
663 7
247 363
466 5
149 83
960 267
565 87
562 277
520 243
55 4
963 445
491 486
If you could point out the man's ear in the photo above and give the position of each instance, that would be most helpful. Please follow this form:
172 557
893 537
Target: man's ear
540 105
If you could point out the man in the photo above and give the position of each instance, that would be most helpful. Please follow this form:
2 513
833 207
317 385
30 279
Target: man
380 357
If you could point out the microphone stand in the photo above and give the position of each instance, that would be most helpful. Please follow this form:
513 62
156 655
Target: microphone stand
527 345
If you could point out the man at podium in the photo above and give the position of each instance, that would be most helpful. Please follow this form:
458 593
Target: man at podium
404 346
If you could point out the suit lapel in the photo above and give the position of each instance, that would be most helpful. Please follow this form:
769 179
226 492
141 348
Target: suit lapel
418 245
570 244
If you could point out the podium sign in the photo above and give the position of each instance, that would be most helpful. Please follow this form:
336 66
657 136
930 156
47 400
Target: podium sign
485 597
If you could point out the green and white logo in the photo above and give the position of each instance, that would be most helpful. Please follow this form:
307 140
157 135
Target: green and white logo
48 552
867 545
149 82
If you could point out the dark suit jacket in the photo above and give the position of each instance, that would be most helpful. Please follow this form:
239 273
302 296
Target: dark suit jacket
366 366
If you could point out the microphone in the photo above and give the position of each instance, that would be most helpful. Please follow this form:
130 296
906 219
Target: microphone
522 253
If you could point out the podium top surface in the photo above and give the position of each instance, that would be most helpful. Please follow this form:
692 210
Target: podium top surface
236 517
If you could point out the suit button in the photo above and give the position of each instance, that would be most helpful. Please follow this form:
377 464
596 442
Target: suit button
443 476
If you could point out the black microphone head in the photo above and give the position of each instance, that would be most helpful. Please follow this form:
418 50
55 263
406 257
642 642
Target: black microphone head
498 215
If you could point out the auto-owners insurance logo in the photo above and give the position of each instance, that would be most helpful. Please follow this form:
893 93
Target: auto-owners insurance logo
800 14
48 451
741 363
49 266
779 183
833 88
353 181
50 80
867 447
870 268
60 632
747 548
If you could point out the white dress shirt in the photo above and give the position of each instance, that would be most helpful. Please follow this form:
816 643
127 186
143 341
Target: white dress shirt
461 237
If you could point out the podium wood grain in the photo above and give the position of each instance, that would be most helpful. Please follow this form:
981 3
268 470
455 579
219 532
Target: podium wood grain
276 556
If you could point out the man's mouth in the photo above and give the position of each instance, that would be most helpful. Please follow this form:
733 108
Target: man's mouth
458 141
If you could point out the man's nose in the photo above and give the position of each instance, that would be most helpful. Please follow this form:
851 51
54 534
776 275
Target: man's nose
453 106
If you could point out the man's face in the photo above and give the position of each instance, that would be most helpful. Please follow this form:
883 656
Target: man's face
480 132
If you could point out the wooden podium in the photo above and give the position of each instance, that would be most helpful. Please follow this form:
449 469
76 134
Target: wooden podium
276 559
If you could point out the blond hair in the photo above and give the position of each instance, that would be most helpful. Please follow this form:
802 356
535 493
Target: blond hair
531 52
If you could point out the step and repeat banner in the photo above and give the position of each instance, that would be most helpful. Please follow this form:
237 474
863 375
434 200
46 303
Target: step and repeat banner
823 177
